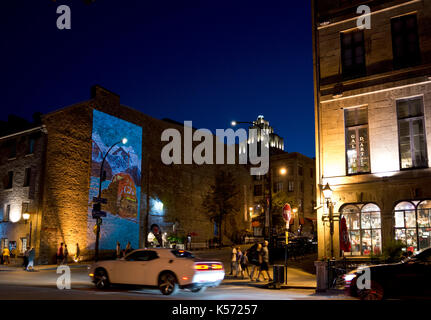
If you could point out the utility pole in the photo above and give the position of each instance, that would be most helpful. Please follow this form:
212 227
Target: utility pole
147 213
97 212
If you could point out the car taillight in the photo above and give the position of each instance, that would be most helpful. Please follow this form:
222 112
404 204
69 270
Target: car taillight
201 267
207 266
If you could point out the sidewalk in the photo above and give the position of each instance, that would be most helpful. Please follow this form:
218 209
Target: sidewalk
296 278
42 267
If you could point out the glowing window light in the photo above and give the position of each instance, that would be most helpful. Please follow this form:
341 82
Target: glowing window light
158 205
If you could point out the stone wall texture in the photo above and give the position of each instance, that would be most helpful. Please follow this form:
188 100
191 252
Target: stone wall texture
180 187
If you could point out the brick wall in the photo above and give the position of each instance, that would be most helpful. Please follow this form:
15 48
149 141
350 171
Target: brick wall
180 187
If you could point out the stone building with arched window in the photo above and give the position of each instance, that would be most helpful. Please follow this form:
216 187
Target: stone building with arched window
373 126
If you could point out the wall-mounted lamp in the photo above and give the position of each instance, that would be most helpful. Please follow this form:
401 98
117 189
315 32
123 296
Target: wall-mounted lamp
26 216
327 192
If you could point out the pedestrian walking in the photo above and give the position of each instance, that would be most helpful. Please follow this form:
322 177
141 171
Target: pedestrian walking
31 256
244 264
60 255
77 254
25 263
233 261
65 255
238 260
128 248
264 254
118 251
6 255
164 240
189 242
256 261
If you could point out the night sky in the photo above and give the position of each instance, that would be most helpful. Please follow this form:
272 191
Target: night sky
209 61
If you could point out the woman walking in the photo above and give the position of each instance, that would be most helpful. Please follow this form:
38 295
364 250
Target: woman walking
256 262
60 255
244 264
118 251
6 255
77 254
264 262
66 254
31 256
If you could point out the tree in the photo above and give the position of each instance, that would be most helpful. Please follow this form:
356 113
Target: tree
220 200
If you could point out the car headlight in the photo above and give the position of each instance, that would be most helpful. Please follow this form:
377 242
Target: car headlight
349 277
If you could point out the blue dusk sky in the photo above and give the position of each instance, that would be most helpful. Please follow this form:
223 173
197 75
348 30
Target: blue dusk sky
208 61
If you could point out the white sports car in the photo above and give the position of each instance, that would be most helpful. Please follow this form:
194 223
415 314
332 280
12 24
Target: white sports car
167 269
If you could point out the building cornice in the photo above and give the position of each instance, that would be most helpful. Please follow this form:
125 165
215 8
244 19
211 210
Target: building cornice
41 128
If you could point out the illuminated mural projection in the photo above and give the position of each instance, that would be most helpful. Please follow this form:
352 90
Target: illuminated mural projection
122 187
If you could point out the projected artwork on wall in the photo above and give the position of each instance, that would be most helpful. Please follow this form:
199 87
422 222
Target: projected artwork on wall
122 185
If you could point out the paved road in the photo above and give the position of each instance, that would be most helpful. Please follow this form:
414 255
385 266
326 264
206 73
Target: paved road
18 284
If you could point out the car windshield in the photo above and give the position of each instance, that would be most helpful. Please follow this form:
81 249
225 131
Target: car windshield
182 254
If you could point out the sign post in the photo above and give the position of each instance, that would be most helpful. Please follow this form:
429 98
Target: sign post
287 214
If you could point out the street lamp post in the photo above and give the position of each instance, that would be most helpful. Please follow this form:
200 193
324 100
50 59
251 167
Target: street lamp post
101 179
327 193
268 176
26 217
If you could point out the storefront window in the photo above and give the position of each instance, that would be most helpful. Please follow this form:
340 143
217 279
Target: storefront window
424 224
413 224
363 226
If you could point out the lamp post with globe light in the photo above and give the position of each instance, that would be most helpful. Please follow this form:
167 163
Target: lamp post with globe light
97 205
26 217
327 193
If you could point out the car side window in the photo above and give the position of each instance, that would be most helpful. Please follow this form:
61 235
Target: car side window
142 256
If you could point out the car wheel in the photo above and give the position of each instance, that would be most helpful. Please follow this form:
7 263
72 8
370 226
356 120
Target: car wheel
375 293
200 289
101 279
168 283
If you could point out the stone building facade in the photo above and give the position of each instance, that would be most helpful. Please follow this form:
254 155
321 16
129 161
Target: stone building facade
169 195
373 125
22 152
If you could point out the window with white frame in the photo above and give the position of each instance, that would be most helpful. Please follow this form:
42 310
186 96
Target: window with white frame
411 133
291 186
357 141
413 224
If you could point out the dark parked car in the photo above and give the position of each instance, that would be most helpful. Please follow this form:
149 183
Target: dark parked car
298 245
408 278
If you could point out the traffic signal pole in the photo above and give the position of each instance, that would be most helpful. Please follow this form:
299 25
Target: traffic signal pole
97 206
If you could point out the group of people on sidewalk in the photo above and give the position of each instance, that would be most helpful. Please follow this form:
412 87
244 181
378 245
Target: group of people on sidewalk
63 254
257 256
122 253
29 256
